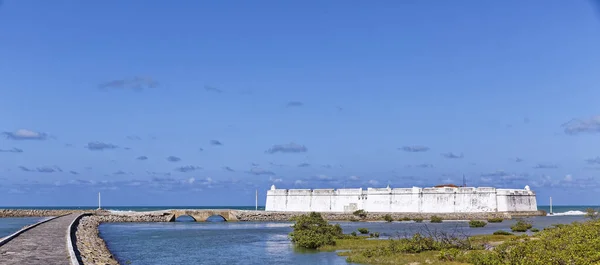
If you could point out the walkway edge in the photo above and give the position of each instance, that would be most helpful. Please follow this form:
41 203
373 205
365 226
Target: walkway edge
72 239
24 229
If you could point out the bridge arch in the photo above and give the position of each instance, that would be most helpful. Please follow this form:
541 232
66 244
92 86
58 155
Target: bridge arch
184 218
203 215
216 218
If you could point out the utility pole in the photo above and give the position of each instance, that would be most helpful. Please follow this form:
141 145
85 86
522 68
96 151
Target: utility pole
99 205
550 205
256 201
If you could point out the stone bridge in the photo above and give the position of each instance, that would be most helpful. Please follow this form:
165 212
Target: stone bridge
202 215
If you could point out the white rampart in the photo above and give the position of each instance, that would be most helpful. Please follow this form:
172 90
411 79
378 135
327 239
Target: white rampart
409 200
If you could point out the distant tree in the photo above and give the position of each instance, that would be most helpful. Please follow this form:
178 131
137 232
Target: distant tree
388 218
360 213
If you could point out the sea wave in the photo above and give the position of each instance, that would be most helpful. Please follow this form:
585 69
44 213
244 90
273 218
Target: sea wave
120 211
568 213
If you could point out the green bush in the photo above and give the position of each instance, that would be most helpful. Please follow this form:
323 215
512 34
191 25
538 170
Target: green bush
353 233
495 220
375 235
435 219
312 231
576 243
418 243
418 220
360 213
503 233
535 230
363 230
388 218
477 223
521 226
405 218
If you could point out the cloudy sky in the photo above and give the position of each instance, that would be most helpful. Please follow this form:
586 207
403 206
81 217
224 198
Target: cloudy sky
204 102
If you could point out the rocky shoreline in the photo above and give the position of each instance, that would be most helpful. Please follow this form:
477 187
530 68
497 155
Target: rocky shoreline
92 248
35 212
262 216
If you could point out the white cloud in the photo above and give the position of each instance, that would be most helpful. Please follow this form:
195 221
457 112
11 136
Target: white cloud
299 182
373 182
354 177
568 178
275 180
191 180
324 177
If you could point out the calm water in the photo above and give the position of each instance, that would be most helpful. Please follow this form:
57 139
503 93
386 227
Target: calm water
255 242
207 243
11 225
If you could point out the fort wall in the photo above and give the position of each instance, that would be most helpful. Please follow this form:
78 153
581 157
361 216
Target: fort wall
404 200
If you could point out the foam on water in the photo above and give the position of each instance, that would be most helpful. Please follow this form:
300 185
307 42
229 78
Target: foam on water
567 213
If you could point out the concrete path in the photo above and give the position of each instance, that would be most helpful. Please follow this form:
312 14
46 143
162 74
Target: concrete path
43 244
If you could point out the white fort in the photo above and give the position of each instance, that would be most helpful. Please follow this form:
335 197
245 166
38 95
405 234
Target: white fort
409 200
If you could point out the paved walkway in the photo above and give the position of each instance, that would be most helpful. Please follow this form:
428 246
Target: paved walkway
43 244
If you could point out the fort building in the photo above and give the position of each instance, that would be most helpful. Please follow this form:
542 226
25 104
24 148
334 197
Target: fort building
408 200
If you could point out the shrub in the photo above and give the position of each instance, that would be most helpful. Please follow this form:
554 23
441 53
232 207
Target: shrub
521 226
576 243
363 230
535 230
312 231
376 234
476 223
418 220
353 233
360 213
405 218
450 254
591 213
354 219
495 220
388 218
503 233
436 219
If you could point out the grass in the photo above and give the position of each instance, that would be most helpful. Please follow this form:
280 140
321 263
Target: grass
426 257
491 238
351 248
358 243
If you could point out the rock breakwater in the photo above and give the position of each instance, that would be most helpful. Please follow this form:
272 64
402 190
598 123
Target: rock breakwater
91 246
34 212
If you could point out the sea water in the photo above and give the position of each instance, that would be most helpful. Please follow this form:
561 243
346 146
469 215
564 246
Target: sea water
10 225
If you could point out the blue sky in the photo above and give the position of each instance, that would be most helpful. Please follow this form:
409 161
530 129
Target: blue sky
203 102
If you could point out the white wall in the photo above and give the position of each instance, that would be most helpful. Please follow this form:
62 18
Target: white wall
426 200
